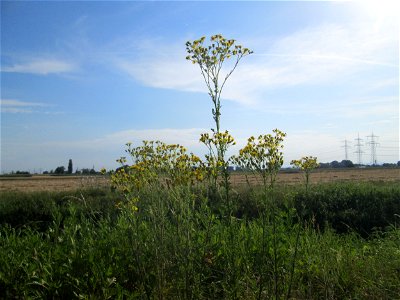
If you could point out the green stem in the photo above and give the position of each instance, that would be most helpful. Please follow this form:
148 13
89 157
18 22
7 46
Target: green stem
275 251
294 260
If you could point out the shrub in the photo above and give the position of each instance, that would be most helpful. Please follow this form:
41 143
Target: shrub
345 207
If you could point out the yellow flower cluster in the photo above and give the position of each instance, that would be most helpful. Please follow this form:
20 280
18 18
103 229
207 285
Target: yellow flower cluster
130 205
263 155
217 144
306 163
220 140
219 50
156 163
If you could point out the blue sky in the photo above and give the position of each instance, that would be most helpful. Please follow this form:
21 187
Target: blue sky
80 79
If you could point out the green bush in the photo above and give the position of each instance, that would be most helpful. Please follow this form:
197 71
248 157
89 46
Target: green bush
346 207
38 209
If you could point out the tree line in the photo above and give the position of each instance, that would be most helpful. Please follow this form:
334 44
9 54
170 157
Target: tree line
61 170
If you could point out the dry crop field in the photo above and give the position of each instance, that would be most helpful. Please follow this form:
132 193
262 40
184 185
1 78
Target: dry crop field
51 183
62 183
328 175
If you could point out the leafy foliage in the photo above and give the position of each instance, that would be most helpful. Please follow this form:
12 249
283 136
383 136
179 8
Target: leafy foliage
59 170
70 167
350 207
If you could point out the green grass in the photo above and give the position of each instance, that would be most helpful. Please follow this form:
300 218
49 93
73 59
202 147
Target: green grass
181 244
360 207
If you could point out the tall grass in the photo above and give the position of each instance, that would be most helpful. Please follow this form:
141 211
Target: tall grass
346 207
180 245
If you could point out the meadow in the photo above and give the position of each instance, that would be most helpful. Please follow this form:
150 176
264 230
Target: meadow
334 241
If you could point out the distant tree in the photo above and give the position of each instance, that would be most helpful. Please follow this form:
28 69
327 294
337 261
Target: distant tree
22 173
45 172
389 165
398 163
59 170
347 164
70 166
87 171
324 165
335 164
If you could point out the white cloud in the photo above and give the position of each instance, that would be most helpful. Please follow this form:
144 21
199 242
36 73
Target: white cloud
188 137
307 57
41 67
174 73
370 106
385 83
324 146
15 110
17 106
18 103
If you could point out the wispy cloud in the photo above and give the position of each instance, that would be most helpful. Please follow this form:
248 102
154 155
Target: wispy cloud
327 148
113 144
310 56
169 73
385 83
188 137
17 106
353 109
41 67
104 150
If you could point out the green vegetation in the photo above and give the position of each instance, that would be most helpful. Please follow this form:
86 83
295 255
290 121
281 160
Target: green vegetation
175 243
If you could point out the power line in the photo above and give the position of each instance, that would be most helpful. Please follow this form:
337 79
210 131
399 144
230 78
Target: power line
373 145
359 152
346 148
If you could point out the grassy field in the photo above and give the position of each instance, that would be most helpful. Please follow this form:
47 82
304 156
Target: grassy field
334 241
65 183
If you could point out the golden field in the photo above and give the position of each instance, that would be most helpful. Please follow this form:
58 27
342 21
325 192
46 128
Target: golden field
327 175
62 183
51 183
